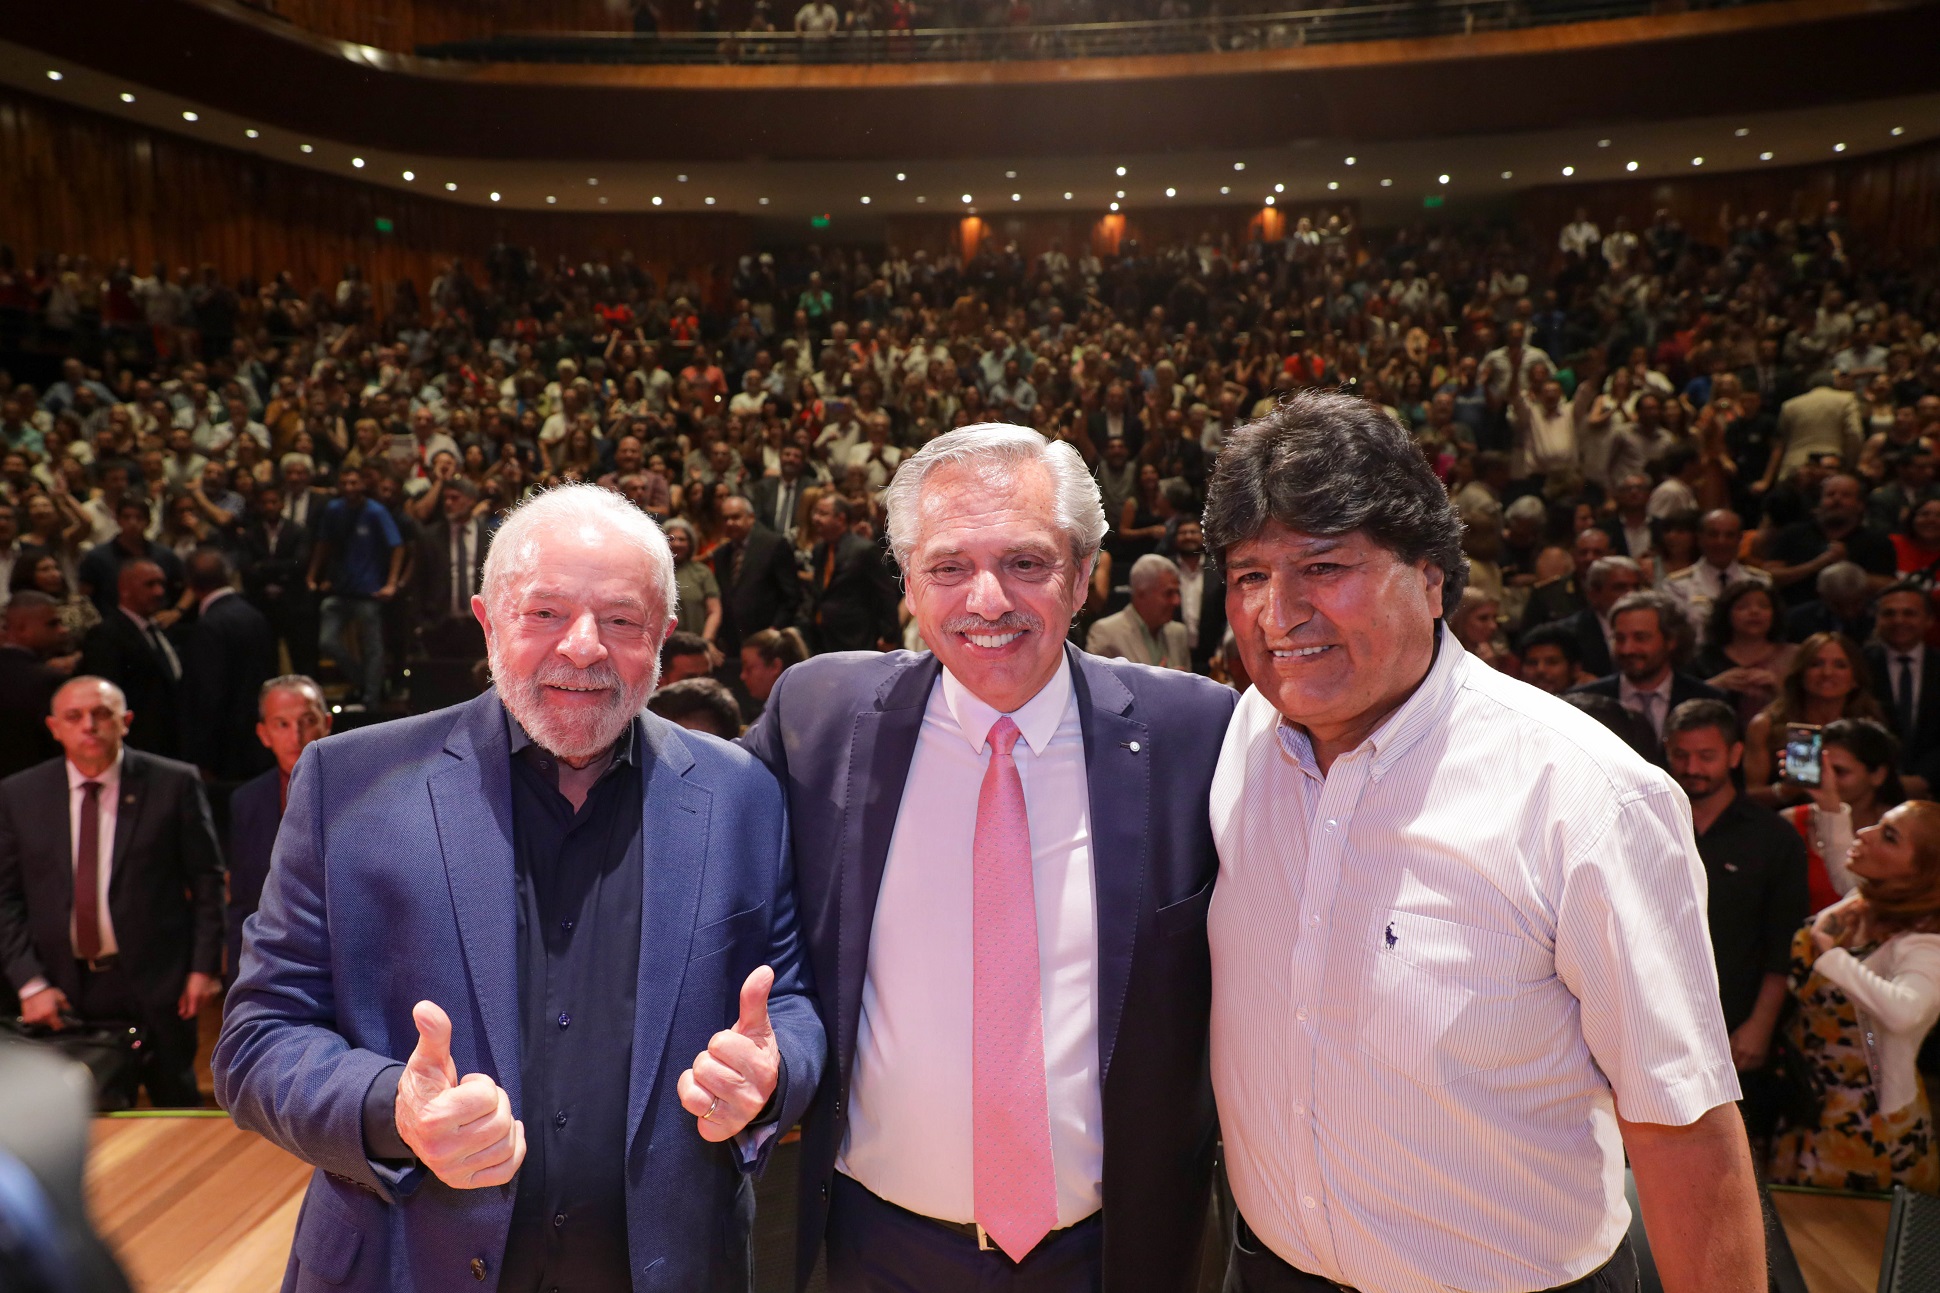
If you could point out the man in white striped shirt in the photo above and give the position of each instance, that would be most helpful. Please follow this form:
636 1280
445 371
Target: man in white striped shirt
1460 963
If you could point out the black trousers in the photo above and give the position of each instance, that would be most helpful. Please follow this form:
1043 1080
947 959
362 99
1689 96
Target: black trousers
1255 1268
167 1065
876 1247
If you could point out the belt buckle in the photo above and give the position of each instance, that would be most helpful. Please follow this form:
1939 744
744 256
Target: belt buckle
983 1239
100 964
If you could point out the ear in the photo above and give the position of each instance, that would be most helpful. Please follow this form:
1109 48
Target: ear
1433 578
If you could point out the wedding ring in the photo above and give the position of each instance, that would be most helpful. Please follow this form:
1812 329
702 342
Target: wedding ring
712 1106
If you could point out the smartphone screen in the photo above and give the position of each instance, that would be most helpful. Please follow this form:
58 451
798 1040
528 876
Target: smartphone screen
1803 747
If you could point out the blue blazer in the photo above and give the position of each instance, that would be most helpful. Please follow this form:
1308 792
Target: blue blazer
840 731
393 883
254 815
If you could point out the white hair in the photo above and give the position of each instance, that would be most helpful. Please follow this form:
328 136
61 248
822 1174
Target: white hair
1147 569
516 544
996 451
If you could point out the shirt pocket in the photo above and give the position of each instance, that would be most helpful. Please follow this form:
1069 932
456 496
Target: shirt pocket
1442 1000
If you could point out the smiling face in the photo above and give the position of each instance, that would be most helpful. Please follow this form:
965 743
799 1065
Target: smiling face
574 638
1336 630
992 582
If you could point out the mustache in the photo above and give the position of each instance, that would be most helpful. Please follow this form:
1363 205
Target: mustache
1009 621
561 674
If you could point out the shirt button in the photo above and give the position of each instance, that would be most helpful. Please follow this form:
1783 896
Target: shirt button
478 1268
565 1020
1299 1110
1332 823
1306 1200
559 1119
1301 1014
566 925
559 1218
1313 920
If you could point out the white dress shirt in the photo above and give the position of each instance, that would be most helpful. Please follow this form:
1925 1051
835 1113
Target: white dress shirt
1439 971
1192 592
910 1130
1652 703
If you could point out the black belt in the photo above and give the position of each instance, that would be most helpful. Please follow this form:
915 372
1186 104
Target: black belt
100 964
969 1229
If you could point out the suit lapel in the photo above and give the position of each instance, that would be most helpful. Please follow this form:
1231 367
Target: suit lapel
471 801
674 833
880 753
134 796
1119 781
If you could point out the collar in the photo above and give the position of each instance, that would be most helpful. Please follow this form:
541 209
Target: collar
1627 689
109 780
1417 715
202 607
142 622
1916 653
624 750
1037 719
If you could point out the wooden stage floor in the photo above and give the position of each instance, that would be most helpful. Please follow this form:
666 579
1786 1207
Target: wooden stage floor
191 1204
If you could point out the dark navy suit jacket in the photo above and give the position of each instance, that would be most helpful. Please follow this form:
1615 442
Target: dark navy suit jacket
840 731
254 814
393 883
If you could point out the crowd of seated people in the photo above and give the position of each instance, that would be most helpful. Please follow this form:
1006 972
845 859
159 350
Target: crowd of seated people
1696 470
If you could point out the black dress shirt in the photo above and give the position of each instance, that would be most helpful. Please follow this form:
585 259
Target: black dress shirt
1755 863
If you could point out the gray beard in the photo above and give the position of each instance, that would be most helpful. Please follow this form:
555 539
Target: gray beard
572 737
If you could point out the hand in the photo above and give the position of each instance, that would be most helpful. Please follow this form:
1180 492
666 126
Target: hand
1834 551
44 1008
167 619
198 992
463 1131
732 1080
64 664
1751 1046
315 585
1828 927
386 593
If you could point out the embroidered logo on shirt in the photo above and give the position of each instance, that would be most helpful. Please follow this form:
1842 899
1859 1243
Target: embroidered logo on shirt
1390 934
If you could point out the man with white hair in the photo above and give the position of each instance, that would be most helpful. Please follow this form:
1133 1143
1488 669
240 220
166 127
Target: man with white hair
1148 631
1006 865
561 897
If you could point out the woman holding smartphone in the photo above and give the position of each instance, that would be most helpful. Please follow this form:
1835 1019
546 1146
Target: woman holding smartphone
1827 681
1858 783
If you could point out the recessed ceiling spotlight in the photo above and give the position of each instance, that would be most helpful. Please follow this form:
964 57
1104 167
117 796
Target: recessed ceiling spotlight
358 162
1269 199
450 187
1010 175
494 197
920 199
1225 189
1017 197
1602 143
764 201
1121 170
1333 184
1742 131
900 177
1764 157
1351 160
1697 161
1114 206
1505 175
1279 188
190 116
410 175
552 199
1838 148
592 181
709 201
1630 166
1387 184
1121 193
1239 166
52 75
656 199
1172 193
305 148
1067 195
865 199
967 198
127 97
252 133
681 178
1568 171
1897 131
602 199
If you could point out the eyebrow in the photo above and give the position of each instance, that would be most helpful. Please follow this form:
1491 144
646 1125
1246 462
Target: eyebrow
1310 548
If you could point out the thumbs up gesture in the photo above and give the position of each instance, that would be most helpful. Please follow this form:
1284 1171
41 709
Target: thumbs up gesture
732 1080
463 1131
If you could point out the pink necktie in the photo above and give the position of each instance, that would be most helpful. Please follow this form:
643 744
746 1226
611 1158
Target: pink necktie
1016 1189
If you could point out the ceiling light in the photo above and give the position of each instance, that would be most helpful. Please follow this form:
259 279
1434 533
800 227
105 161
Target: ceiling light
1010 175
1333 184
410 175
127 97
190 116
494 197
1351 160
764 201
920 199
709 201
1172 193
1630 166
305 148
252 133
1602 143
1764 157
1387 184
1897 131
656 199
1697 161
681 178
1269 199
602 199
358 162
594 179
1121 193
1568 171
1838 148
1742 131
1121 170
865 199
52 75
1505 175
1239 166
1067 195
1114 206
450 187
1279 188
552 199
1224 189
900 177
966 198
1017 197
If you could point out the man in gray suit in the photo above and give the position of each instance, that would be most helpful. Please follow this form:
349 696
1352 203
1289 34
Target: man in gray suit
1149 630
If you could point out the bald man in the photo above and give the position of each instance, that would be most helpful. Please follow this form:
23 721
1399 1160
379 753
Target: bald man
111 908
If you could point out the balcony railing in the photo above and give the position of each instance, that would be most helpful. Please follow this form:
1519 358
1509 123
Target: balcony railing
1256 31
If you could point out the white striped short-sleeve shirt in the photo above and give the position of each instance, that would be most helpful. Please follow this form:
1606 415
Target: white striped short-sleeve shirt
1439 972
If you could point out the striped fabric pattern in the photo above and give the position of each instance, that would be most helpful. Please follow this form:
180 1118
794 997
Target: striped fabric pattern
1439 971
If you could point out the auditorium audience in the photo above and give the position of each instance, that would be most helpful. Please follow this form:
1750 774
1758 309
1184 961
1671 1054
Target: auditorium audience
1744 652
1857 784
1649 635
130 649
292 713
1906 678
1146 631
1865 976
1828 680
764 657
700 705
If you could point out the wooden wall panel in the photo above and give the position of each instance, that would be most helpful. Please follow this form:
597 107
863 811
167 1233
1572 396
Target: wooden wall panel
403 25
81 183
1891 201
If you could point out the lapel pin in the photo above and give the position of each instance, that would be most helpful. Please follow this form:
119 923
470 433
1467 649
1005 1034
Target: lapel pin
1130 745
